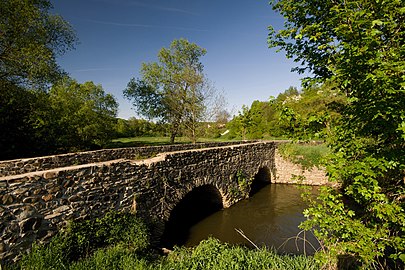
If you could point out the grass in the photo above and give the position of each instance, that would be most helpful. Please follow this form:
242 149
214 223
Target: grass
121 241
307 155
212 254
155 141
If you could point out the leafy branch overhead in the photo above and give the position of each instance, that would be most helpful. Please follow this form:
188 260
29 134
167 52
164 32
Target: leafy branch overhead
358 47
30 40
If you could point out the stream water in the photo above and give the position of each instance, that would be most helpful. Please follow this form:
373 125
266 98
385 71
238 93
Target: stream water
270 218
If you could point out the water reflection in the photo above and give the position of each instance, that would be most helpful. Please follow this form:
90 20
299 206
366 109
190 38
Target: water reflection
269 218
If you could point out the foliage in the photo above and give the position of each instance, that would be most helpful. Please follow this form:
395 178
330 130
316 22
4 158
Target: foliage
120 241
30 40
82 115
358 47
115 257
211 254
19 109
244 182
311 114
307 114
70 117
138 128
174 89
307 155
122 231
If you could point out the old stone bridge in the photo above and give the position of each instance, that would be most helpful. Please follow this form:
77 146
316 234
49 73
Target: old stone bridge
39 195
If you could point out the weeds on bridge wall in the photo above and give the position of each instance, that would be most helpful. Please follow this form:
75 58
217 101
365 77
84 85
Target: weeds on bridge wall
243 186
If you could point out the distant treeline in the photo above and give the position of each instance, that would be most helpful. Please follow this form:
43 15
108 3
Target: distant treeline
306 114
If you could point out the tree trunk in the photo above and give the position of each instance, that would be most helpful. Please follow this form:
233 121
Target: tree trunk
172 137
173 132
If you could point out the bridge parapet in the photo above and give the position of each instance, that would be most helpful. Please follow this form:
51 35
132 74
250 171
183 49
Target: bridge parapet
26 165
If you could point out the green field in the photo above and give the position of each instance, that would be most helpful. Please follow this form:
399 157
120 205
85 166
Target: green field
154 141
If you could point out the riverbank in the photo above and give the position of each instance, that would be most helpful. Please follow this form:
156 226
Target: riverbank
121 241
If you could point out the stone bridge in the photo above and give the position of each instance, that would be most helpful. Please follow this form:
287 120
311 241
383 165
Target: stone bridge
40 195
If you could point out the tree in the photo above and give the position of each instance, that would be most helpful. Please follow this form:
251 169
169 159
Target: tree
19 109
358 46
172 90
83 115
30 41
311 113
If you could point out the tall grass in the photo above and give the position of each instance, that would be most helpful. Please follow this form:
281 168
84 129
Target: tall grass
121 242
307 155
211 254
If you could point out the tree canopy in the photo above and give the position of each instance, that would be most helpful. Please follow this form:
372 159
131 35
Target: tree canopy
358 46
83 115
308 114
30 40
35 120
174 89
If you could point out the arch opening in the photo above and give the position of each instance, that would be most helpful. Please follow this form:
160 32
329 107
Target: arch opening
262 179
196 205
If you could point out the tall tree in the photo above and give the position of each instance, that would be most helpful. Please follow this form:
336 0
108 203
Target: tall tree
172 90
359 47
30 40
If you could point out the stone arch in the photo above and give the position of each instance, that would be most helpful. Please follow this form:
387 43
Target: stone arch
261 179
197 204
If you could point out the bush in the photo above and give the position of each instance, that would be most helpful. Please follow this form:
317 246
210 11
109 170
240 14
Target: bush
82 239
121 242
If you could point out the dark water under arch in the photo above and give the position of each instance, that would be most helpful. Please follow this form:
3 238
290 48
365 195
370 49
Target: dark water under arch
269 218
196 205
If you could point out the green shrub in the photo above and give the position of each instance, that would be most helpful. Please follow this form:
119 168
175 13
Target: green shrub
121 242
82 239
51 256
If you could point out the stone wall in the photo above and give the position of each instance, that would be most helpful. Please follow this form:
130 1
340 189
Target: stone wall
21 166
287 172
35 205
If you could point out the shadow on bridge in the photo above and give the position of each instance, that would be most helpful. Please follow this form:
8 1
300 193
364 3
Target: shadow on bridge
198 204
262 179
195 206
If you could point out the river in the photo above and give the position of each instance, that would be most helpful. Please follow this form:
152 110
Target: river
269 218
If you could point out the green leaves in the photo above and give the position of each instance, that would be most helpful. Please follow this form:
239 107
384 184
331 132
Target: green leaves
173 90
30 41
83 115
358 46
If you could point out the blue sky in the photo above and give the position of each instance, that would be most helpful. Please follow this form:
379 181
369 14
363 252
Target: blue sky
116 36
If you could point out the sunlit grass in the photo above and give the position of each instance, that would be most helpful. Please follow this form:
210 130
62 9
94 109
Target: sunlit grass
307 155
156 141
121 242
